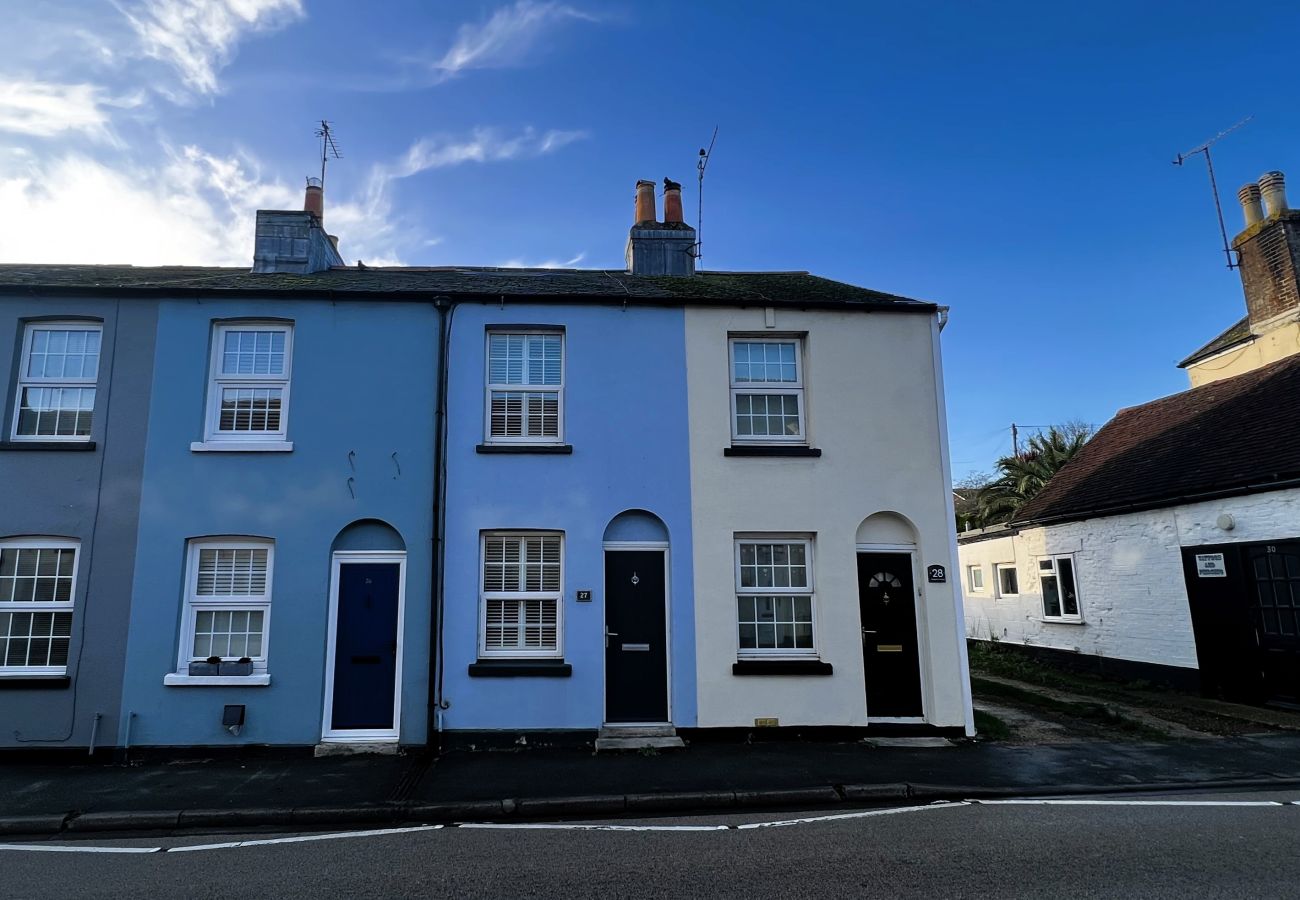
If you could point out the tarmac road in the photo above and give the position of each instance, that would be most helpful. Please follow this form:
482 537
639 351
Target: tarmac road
1174 846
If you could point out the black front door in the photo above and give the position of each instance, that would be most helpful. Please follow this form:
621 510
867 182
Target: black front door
636 641
887 602
365 647
1275 613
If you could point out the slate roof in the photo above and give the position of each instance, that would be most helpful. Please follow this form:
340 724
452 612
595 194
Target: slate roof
1234 436
798 289
1237 334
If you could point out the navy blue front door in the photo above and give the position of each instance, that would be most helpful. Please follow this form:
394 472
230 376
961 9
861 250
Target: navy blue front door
365 646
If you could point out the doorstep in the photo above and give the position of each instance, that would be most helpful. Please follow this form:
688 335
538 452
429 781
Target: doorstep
638 737
356 748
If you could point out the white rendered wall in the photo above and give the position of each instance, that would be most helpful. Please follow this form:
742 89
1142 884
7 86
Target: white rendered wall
1130 576
873 411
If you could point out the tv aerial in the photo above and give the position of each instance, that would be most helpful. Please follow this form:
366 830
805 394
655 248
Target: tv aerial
700 166
1214 187
328 148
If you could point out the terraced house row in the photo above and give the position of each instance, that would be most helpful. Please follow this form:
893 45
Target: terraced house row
309 503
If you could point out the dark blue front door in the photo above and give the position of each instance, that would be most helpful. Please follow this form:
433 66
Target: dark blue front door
365 647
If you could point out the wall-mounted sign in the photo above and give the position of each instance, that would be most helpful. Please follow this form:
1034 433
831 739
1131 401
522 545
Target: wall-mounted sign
584 596
1210 565
937 574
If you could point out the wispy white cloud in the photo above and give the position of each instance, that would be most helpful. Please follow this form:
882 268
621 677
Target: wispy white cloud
198 207
483 145
519 263
46 109
198 38
505 38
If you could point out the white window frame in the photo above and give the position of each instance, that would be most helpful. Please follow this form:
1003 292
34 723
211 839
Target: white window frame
16 606
765 388
485 596
213 437
193 604
489 387
1055 572
998 592
35 381
975 585
808 591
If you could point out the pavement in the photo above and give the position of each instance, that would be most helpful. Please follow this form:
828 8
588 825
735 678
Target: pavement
283 791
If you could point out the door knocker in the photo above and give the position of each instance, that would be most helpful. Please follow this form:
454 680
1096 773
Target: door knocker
635 579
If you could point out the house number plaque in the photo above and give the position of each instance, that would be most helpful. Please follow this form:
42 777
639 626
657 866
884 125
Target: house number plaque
937 574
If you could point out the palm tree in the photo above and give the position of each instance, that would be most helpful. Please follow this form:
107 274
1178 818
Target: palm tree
1023 475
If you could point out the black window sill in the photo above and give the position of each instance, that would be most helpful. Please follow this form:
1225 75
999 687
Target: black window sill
781 667
769 450
524 448
40 682
48 445
517 668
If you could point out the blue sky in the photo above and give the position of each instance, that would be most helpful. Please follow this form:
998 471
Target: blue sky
1010 160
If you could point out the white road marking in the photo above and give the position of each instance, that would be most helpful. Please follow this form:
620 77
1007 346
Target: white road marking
564 826
1127 802
54 848
333 836
853 815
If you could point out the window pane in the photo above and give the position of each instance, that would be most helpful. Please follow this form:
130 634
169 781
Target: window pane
55 411
1051 596
253 353
768 414
232 572
1069 598
250 410
230 634
35 639
1007 581
40 575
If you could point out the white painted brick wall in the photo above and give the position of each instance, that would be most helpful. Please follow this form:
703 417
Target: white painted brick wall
1130 576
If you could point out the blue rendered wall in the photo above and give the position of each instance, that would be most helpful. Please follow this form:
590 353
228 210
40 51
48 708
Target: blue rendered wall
625 417
363 382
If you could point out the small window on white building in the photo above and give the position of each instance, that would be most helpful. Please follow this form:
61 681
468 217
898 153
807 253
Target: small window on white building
1060 596
523 585
774 597
767 391
1008 582
56 381
38 579
227 604
248 390
525 387
975 577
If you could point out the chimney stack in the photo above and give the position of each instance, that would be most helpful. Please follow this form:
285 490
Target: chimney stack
660 248
1269 253
645 202
672 202
314 202
1248 195
1272 185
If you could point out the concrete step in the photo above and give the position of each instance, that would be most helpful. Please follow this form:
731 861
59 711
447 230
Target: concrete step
638 737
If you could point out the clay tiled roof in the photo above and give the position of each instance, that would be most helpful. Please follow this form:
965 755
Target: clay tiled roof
748 288
1237 435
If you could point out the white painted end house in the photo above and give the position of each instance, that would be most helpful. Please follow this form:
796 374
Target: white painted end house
1168 549
822 519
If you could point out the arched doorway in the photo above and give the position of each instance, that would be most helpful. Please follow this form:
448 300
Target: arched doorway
888 602
636 619
363 677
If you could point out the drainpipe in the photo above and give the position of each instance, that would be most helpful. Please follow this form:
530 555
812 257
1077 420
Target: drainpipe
437 704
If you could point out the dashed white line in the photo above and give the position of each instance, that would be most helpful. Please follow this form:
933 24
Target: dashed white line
53 848
1127 802
853 815
302 839
567 826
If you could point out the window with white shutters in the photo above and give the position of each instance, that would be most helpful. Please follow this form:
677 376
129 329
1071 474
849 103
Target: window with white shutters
522 589
227 603
57 374
525 387
248 391
38 579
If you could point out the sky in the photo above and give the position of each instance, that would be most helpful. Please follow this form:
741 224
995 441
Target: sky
1011 161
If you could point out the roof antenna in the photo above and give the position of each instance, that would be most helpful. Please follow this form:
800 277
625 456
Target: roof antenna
1214 187
327 148
699 211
